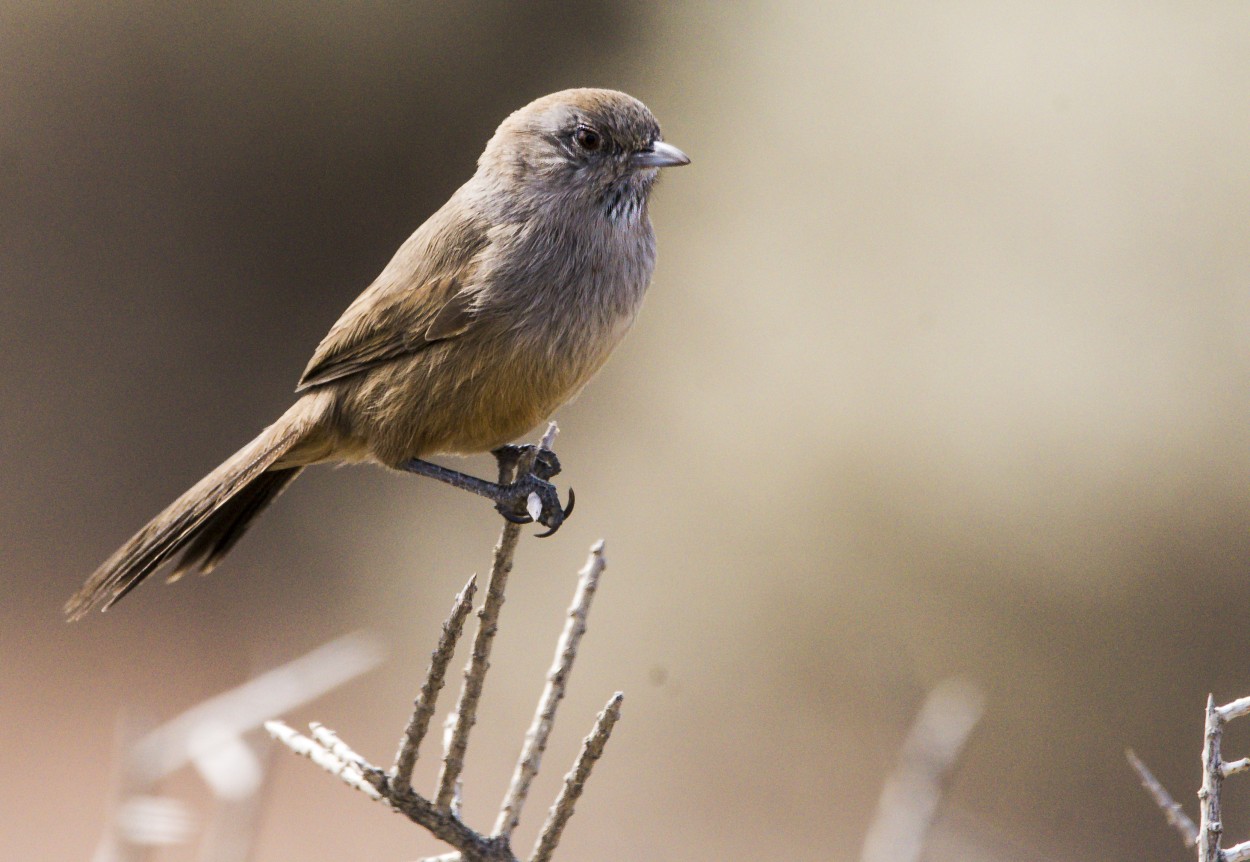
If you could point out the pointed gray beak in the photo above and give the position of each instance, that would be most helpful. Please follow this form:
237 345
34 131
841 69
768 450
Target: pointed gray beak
661 155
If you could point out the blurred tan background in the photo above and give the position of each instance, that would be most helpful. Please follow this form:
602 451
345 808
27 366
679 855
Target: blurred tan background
944 371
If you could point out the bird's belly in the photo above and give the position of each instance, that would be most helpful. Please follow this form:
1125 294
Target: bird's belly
463 398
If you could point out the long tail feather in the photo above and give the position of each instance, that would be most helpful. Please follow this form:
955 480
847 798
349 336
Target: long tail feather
217 535
206 521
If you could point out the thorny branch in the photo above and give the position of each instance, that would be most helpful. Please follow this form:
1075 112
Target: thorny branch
575 781
557 678
1210 829
424 706
440 816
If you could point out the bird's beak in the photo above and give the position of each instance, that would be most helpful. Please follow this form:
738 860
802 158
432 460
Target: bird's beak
661 155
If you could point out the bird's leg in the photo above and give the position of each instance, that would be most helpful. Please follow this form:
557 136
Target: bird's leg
529 498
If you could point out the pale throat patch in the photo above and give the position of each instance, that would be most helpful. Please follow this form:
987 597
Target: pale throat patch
624 201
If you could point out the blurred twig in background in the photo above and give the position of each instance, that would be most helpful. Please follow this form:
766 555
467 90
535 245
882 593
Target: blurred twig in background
911 793
440 815
1172 809
1207 834
210 736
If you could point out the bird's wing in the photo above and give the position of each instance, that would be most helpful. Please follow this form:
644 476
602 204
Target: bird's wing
422 297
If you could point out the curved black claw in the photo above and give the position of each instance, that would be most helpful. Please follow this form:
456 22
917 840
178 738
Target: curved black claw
512 517
564 516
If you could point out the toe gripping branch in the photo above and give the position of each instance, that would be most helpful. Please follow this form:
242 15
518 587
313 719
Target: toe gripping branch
520 499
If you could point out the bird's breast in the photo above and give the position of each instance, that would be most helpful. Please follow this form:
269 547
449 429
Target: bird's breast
551 308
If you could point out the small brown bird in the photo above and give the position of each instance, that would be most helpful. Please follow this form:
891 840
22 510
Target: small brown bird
494 313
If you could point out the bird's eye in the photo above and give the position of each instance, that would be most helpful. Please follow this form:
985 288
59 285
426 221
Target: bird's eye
588 139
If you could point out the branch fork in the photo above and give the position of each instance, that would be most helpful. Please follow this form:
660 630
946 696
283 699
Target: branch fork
439 814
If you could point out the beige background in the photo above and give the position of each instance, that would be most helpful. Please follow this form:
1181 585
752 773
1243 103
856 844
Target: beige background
944 371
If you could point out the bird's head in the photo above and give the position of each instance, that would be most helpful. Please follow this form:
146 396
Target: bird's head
590 148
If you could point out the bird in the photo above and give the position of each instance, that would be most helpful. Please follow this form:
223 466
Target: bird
493 313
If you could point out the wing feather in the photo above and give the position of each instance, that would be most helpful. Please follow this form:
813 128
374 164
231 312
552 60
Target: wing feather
418 299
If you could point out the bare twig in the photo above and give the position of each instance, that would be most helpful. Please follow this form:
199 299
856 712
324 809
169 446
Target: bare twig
1236 709
575 781
350 771
911 793
423 708
1235 767
557 679
1171 808
549 436
465 715
1210 827
329 740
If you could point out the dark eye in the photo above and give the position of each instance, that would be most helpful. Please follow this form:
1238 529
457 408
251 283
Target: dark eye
588 139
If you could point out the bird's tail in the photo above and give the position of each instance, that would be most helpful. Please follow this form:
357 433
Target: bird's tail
206 521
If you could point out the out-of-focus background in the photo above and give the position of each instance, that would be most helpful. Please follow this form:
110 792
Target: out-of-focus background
944 372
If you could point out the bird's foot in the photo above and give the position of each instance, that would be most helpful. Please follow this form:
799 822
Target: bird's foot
528 499
533 499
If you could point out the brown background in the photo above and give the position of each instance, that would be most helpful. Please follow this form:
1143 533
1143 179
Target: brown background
944 371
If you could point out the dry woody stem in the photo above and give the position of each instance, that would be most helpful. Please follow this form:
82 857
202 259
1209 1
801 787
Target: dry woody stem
557 679
1208 833
575 781
423 708
440 816
465 715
